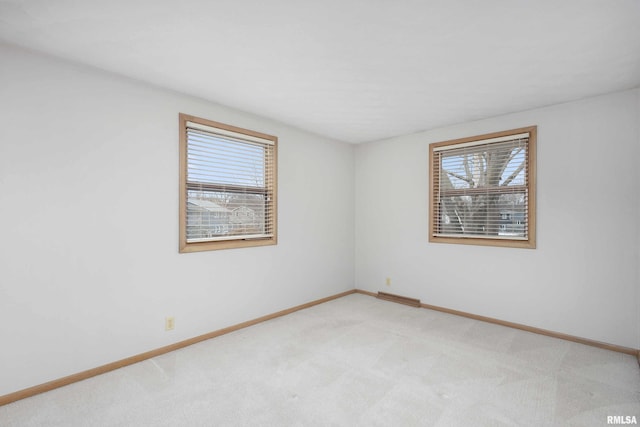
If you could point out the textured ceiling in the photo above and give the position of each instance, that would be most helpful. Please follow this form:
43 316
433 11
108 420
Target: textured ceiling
354 70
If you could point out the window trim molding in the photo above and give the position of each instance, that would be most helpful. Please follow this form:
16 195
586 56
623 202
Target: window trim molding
183 245
530 242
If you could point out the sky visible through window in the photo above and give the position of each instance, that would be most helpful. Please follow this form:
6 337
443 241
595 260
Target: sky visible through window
465 169
214 159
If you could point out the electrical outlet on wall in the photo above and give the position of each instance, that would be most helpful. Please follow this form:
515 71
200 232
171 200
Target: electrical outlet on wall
169 323
388 282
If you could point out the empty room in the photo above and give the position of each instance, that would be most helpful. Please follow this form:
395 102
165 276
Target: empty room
393 213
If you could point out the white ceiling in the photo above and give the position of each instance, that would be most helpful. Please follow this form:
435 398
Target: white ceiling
354 70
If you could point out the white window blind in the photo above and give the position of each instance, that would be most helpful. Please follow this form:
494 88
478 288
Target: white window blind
230 185
481 188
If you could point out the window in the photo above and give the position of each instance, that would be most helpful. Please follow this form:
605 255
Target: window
482 189
227 186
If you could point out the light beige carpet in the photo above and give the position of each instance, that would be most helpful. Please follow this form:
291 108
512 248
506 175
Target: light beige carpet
354 361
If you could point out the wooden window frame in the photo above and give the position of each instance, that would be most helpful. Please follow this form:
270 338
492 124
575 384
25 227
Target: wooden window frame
530 242
271 190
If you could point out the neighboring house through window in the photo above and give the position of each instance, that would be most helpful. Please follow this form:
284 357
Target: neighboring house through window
482 189
227 186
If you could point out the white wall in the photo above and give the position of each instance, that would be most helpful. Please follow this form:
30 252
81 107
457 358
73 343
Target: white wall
89 262
581 280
